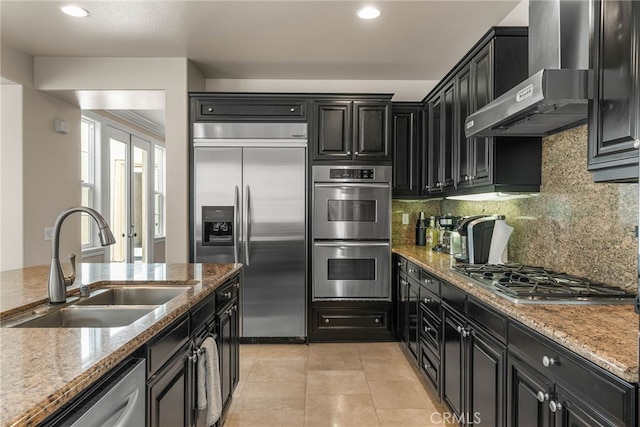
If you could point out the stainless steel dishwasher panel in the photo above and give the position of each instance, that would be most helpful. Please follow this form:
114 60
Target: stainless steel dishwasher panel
117 400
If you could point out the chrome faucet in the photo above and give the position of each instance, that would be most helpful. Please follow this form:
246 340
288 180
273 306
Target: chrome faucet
57 281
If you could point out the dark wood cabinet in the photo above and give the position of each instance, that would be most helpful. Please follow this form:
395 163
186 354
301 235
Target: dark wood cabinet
345 129
454 355
227 329
614 112
440 167
528 397
169 393
238 107
406 144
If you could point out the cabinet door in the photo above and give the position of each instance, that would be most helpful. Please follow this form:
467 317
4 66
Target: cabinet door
413 313
614 118
371 130
453 361
405 145
481 94
169 393
447 168
528 397
572 412
463 148
225 355
235 347
487 368
433 146
332 126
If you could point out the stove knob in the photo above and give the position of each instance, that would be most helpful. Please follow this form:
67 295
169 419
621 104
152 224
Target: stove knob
548 361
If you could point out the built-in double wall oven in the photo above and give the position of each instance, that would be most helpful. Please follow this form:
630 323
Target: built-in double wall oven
351 233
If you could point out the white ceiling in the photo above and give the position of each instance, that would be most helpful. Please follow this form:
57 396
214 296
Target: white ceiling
308 40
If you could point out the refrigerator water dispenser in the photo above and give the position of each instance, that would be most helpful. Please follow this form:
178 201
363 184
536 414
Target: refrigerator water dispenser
217 227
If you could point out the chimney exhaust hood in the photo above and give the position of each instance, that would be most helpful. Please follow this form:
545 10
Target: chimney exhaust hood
555 96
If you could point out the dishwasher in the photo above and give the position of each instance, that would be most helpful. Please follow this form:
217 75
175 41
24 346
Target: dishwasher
116 400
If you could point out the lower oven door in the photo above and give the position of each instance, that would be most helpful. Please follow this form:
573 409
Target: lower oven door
351 271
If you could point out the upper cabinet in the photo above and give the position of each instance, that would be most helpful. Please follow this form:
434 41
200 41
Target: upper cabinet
406 135
217 107
351 129
614 113
451 164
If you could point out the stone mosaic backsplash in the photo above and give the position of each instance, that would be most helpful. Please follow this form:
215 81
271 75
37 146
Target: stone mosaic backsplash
574 225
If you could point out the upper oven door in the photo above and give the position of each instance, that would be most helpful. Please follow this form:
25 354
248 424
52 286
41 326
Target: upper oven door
351 211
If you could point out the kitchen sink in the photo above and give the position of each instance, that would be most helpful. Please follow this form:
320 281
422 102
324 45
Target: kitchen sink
88 317
132 295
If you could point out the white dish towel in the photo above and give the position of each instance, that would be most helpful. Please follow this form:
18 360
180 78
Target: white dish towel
209 395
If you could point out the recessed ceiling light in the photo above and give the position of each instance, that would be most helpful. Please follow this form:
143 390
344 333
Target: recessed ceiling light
368 12
75 11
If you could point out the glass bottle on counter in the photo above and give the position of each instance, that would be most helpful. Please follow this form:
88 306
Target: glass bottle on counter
432 233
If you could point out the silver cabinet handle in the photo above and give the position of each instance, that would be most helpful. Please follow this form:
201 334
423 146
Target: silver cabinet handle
326 320
356 153
377 320
411 270
427 329
227 294
247 225
348 153
542 396
428 300
236 224
555 406
293 110
210 109
459 329
465 333
548 361
636 143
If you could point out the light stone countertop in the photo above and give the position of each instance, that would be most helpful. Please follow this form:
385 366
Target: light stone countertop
606 335
43 368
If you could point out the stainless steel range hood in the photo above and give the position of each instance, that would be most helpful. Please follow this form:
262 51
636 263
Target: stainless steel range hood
555 97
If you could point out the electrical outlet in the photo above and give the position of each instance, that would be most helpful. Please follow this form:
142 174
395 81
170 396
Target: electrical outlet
48 233
405 218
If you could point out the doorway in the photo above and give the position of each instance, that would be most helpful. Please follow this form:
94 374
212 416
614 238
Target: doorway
130 192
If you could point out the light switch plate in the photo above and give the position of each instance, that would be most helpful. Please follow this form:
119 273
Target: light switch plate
405 218
48 233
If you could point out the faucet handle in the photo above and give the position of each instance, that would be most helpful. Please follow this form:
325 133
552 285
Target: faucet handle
68 281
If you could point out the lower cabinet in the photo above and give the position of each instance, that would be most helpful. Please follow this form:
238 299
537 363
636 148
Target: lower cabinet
169 392
228 351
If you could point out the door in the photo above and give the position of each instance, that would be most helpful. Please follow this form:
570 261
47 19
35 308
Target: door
333 130
453 362
351 270
131 214
405 147
274 206
482 94
528 404
217 182
371 130
351 211
486 380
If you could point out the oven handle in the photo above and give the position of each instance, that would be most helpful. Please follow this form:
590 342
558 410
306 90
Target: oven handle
351 244
351 185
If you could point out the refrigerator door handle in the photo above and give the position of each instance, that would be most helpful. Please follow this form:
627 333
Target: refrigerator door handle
247 225
236 225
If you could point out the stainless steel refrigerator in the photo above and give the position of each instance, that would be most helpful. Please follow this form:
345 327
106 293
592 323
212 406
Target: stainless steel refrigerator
249 206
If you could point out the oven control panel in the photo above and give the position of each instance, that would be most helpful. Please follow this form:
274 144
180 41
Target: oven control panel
336 173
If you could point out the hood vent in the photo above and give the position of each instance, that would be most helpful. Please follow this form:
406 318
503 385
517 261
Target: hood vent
555 97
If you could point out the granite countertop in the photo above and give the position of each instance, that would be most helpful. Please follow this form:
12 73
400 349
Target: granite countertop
606 335
41 369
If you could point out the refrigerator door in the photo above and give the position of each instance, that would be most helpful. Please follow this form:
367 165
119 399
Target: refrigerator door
274 242
217 175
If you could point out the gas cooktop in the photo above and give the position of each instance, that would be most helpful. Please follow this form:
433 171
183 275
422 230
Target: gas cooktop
523 284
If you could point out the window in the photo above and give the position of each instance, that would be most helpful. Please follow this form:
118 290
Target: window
88 160
159 188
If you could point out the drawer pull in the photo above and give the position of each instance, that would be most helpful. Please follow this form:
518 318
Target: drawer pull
227 294
377 320
548 361
411 270
326 320
428 281
428 300
555 406
542 396
427 329
427 366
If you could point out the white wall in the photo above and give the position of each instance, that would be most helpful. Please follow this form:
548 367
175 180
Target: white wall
403 90
51 175
11 223
175 76
17 66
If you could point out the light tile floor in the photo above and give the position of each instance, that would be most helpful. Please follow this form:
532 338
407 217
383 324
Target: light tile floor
337 385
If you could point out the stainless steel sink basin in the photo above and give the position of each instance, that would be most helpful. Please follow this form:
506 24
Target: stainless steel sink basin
88 317
132 295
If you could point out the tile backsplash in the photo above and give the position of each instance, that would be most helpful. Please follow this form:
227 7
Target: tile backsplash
574 225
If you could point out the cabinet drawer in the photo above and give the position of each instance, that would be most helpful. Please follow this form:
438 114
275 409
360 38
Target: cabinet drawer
430 366
226 293
246 109
429 302
203 313
609 394
402 264
430 282
455 297
430 330
413 271
488 319
160 349
345 319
